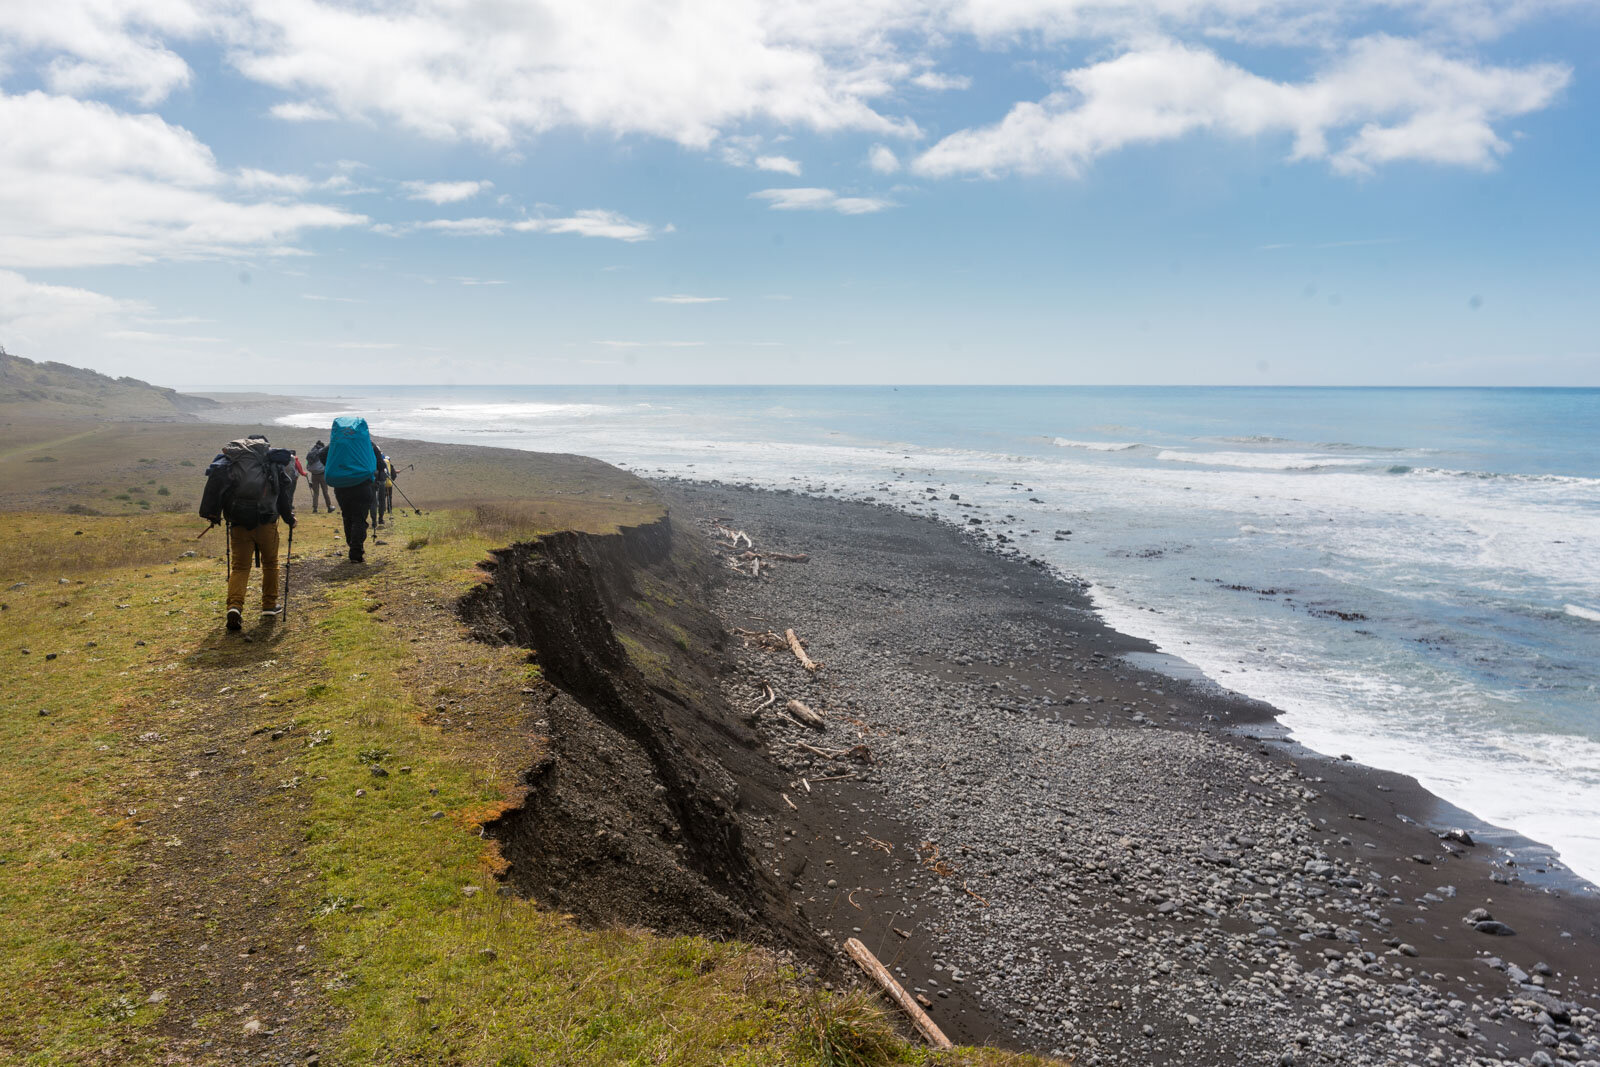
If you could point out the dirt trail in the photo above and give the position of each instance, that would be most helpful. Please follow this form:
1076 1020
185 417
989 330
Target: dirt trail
229 946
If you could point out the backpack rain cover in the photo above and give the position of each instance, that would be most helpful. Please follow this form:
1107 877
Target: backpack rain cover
350 460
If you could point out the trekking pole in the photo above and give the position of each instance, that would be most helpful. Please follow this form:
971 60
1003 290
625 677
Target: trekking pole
288 561
208 529
407 499
227 546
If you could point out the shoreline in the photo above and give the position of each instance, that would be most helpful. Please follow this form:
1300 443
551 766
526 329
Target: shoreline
1544 860
1516 801
1099 913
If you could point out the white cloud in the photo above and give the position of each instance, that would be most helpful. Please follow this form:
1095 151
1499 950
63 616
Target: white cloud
301 111
882 159
590 222
87 46
156 337
83 185
937 82
445 192
497 73
694 73
480 281
811 199
1389 99
265 181
33 312
376 346
746 152
595 222
779 164
651 344
474 227
324 298
685 298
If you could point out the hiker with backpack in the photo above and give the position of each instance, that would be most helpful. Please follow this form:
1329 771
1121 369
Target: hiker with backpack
250 486
388 485
351 467
316 464
382 488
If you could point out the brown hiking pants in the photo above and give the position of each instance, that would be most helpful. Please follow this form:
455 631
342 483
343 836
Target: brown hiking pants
243 544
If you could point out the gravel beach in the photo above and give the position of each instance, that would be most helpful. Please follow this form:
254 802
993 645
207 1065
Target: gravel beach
1061 851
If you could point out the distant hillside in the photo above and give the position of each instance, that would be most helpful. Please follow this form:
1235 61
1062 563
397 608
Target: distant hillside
55 389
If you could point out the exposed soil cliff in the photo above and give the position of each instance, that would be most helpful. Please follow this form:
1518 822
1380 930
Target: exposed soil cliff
635 815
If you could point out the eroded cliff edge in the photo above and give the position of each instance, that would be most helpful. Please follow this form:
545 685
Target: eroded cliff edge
635 813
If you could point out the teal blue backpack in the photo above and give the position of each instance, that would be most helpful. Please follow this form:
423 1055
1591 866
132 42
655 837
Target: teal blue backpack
350 460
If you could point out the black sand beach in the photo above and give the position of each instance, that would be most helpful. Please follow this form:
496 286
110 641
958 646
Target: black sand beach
1063 852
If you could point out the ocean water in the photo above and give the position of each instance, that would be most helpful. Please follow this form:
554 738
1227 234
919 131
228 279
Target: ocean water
1411 575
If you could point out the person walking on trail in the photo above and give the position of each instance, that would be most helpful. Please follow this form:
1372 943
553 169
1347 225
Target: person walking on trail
296 469
316 464
350 468
250 485
388 486
382 487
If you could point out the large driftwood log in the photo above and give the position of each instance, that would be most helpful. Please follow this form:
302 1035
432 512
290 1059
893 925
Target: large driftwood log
805 714
800 652
785 556
880 974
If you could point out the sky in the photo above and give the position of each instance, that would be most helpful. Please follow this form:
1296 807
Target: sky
212 193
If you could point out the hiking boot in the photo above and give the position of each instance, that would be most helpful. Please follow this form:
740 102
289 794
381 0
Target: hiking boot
270 614
358 557
235 619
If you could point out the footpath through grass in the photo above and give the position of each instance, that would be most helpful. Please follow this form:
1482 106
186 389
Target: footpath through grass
219 850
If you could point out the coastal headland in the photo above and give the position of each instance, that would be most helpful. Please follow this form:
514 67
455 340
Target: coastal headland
528 788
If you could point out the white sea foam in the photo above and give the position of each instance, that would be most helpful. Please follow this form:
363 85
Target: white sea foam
512 411
1563 480
312 418
1266 461
1578 612
1490 772
1095 446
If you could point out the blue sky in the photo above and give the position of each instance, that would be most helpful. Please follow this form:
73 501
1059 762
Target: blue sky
218 192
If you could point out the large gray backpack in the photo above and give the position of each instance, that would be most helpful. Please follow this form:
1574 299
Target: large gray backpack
251 496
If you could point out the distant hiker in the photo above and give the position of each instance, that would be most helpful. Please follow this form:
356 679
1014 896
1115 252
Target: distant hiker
388 486
250 485
382 487
350 468
296 471
316 463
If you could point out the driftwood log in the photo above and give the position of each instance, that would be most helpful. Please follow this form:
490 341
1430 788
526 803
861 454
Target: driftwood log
880 974
800 711
800 652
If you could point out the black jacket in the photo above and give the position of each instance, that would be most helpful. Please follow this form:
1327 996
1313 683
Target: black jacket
219 480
